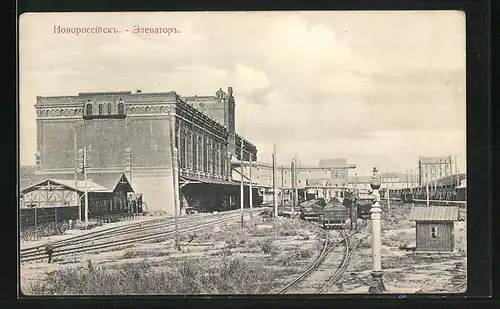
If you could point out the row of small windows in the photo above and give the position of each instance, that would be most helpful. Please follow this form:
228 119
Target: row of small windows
89 109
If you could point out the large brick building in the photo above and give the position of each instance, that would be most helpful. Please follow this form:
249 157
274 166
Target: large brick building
135 132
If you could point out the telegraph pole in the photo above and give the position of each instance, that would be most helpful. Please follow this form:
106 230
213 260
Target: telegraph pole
176 197
282 187
77 169
251 188
175 180
295 176
241 182
292 181
388 197
275 202
86 187
427 191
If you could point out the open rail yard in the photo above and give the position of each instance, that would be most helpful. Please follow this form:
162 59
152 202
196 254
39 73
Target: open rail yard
217 256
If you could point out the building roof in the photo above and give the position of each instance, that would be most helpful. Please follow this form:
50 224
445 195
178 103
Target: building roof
433 213
450 180
108 180
434 160
102 182
80 185
328 162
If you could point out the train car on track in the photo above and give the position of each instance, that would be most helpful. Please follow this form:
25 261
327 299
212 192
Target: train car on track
311 210
336 217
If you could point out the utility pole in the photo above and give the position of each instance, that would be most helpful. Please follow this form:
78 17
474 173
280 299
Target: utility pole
295 176
251 188
241 182
388 197
292 181
427 191
175 161
275 202
282 187
175 175
128 162
356 183
77 169
86 187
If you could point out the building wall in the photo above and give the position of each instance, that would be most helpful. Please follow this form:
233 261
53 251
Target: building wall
55 143
433 168
444 240
141 122
263 175
149 142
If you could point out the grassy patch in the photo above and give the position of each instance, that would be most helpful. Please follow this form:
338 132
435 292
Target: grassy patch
229 276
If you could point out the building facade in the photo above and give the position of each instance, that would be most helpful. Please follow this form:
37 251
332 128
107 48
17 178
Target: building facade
433 168
320 180
136 133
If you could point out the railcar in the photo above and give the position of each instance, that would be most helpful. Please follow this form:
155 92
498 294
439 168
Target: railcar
311 210
334 217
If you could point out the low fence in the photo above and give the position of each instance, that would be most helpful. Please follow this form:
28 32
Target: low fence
33 217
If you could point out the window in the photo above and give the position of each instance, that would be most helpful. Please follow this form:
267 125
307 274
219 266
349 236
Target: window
100 109
89 109
120 108
109 108
434 232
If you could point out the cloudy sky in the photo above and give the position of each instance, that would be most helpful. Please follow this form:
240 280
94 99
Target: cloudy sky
378 88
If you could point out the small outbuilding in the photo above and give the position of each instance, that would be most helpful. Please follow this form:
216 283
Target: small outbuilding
434 228
55 200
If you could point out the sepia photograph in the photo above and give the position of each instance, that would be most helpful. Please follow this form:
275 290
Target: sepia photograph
256 152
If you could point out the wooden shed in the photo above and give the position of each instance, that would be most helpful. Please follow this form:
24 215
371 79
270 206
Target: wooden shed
434 228
54 200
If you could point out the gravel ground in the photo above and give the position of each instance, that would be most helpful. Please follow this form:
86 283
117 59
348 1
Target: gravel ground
287 247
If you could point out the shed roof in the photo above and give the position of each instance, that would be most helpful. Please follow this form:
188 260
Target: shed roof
105 183
80 185
108 180
433 213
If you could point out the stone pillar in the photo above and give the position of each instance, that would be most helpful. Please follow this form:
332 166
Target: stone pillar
377 285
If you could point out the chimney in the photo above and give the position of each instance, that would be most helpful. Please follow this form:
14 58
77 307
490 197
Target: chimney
230 91
138 91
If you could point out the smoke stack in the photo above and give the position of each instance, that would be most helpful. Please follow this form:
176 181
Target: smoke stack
138 91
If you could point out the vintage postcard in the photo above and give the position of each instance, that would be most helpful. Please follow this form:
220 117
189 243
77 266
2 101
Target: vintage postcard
297 152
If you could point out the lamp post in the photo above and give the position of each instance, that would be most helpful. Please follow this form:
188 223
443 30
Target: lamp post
377 285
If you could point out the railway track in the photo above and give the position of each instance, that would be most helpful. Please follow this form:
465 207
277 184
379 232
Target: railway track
125 235
458 287
314 272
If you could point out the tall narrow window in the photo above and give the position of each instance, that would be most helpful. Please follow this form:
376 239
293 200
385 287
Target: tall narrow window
120 108
89 109
100 109
109 108
434 232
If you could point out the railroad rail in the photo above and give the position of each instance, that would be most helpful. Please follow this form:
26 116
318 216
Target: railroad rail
113 232
458 287
77 244
322 256
349 252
